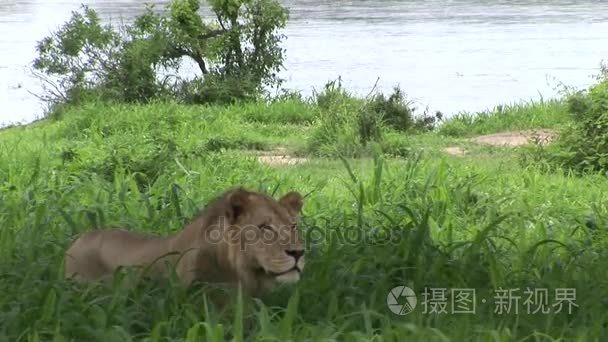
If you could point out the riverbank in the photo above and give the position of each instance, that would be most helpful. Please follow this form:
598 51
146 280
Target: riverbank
485 220
465 58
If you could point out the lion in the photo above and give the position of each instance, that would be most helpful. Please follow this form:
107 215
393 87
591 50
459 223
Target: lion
242 237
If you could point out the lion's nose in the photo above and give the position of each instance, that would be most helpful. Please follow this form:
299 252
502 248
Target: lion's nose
295 253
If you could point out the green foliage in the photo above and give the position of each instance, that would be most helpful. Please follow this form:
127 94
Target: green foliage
253 51
218 143
369 125
216 89
583 145
399 114
77 53
520 116
286 111
336 131
333 94
371 225
396 145
394 110
237 52
347 124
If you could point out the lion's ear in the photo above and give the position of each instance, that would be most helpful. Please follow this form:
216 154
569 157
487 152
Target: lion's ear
237 202
292 201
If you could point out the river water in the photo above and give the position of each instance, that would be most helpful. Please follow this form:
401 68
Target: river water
459 55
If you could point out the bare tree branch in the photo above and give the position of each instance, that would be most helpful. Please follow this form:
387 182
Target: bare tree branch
198 58
201 62
213 34
47 83
219 19
373 88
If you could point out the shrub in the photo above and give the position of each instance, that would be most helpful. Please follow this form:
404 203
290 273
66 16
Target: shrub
336 132
237 52
216 89
396 145
398 113
369 125
333 93
458 125
583 145
217 143
346 124
394 110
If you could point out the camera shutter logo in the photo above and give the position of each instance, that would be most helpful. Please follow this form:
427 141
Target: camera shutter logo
401 300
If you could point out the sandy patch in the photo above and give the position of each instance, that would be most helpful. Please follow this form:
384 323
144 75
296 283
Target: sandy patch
455 151
279 156
281 160
512 139
516 138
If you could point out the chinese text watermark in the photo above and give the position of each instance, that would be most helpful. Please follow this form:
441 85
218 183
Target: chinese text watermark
438 300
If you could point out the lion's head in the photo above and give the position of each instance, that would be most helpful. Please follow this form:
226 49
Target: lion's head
264 242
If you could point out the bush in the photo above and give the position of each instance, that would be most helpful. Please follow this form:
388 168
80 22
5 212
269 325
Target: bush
216 89
398 113
396 145
346 124
336 131
394 110
217 143
583 145
369 125
237 52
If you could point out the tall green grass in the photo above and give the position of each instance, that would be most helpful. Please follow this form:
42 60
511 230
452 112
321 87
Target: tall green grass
371 225
524 115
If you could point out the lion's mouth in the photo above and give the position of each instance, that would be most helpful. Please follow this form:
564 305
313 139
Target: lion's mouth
278 274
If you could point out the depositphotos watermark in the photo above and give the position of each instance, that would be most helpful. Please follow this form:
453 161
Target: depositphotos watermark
402 300
309 236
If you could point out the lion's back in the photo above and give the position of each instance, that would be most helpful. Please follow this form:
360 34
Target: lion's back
98 252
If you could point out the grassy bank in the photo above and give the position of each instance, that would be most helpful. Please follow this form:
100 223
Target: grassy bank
549 114
483 222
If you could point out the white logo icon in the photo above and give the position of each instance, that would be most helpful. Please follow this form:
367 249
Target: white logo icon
401 300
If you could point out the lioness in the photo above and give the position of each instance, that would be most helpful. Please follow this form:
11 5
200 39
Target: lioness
241 237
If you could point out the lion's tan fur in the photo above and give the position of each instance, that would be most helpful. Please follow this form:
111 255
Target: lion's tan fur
197 253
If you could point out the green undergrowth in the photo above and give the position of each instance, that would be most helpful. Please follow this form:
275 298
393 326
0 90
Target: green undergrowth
530 115
418 218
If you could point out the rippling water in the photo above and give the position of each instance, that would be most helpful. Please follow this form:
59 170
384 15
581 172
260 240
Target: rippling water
450 55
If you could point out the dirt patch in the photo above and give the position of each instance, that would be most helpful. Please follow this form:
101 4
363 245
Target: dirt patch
517 138
281 160
455 151
279 156
512 139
